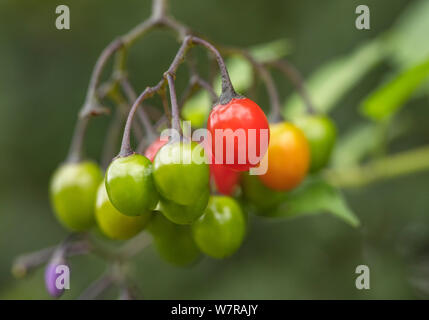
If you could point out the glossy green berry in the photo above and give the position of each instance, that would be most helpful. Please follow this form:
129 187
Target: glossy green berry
178 173
114 224
321 134
173 242
130 185
257 194
221 230
73 190
180 214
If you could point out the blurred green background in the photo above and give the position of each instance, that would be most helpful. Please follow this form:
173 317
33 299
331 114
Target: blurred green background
43 79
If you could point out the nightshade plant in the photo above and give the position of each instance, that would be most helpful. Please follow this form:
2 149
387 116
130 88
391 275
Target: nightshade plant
152 186
188 209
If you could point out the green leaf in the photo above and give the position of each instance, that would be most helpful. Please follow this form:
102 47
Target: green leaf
408 39
270 51
387 99
316 196
197 109
355 145
334 79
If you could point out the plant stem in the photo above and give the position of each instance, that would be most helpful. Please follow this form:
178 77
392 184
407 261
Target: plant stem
91 106
126 149
383 168
207 86
75 154
297 80
132 96
159 9
112 137
116 125
228 91
134 246
97 287
197 82
266 77
27 262
129 291
165 106
175 121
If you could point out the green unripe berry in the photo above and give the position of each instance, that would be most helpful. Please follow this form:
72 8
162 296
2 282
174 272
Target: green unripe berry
130 185
173 242
221 230
73 190
113 223
256 193
184 214
321 134
179 176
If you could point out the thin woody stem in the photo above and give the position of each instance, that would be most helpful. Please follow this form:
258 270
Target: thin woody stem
297 80
27 262
130 291
76 147
91 106
116 125
207 86
159 9
30 261
165 106
158 18
266 77
132 96
98 287
112 137
126 149
197 82
175 121
228 91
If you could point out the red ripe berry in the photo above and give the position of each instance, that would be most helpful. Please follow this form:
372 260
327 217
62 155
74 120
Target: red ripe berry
230 125
226 180
152 150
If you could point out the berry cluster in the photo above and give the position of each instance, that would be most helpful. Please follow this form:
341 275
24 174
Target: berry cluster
169 194
188 206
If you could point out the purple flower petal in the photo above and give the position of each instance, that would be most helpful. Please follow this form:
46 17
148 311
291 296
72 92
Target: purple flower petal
51 279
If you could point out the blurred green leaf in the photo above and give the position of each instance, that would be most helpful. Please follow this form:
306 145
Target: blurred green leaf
355 145
332 81
31 287
406 43
197 109
316 196
271 51
388 98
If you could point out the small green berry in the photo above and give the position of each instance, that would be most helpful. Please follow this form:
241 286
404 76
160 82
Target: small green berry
73 190
130 186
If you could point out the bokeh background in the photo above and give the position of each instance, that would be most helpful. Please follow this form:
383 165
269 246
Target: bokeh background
44 74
